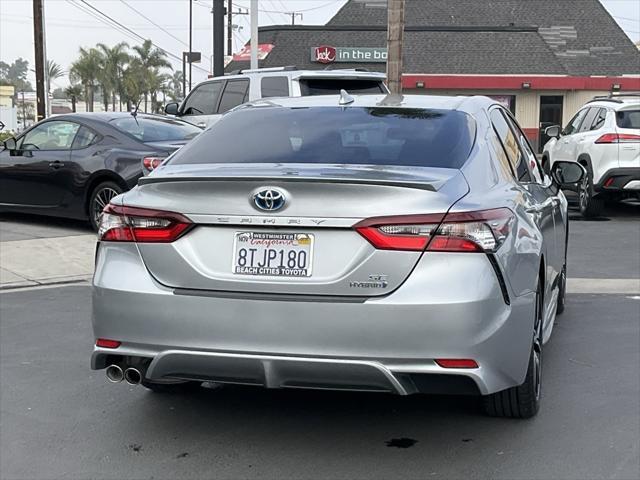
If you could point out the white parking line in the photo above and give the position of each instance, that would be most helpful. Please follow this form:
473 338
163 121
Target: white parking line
625 286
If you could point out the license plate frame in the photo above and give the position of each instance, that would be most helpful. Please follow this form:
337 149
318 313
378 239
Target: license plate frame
263 244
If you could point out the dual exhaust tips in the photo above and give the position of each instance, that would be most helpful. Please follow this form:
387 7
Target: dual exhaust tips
131 375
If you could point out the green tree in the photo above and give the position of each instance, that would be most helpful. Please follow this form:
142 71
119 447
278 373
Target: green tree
150 59
114 60
86 70
15 74
133 83
74 92
54 71
176 86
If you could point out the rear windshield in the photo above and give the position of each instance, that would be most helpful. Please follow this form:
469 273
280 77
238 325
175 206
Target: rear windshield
332 86
628 119
353 135
156 129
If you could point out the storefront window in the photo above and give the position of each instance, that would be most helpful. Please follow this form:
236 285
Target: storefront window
507 101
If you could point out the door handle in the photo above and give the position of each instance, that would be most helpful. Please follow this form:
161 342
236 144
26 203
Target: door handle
57 164
201 124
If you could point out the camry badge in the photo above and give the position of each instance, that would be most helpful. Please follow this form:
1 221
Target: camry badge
269 199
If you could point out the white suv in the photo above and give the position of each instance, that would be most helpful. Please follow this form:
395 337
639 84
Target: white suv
210 99
604 136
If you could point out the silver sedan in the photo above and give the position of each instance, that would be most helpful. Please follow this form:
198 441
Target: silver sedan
394 244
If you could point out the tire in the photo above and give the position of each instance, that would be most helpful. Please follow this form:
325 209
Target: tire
522 401
100 196
562 291
170 388
590 204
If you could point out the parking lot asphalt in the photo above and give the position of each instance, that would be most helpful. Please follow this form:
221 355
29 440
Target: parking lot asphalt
61 420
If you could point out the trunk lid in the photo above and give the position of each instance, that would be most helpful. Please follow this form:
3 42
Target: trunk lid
323 203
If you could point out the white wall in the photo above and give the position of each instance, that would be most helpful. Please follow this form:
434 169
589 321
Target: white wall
9 116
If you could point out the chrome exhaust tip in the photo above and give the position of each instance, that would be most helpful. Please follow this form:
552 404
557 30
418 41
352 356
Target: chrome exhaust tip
133 376
114 374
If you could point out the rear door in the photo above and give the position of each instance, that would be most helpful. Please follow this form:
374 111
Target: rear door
566 146
628 128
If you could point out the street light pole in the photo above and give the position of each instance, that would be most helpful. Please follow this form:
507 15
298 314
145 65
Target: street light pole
190 39
395 34
229 27
254 34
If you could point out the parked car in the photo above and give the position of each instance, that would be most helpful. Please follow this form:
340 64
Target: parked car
73 165
398 244
210 99
604 137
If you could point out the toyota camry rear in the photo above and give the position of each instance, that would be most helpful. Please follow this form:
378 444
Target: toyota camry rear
325 243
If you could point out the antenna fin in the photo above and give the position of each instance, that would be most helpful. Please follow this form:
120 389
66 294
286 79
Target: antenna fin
345 98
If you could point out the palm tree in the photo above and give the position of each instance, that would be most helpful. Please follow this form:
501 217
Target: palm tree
176 86
75 93
150 59
114 60
54 71
157 84
132 83
86 70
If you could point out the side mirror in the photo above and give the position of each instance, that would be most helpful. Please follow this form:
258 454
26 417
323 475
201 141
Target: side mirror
171 108
568 175
10 144
552 131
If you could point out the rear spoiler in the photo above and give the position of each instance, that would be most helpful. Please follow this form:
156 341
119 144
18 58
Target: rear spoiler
420 185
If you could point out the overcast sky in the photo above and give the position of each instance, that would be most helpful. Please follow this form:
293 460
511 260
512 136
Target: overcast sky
70 25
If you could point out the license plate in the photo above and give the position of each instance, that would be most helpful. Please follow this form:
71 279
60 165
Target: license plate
273 254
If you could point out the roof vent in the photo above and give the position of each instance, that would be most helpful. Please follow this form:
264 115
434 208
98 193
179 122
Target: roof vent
345 98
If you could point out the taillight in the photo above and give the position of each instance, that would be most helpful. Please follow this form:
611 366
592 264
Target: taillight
618 138
130 224
151 163
481 231
408 232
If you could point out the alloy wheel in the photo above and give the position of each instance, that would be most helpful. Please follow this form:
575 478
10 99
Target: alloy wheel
537 347
101 200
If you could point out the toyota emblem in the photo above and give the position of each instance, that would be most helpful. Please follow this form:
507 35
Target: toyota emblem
269 199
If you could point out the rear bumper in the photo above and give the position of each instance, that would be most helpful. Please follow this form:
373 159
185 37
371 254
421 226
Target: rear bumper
619 180
450 307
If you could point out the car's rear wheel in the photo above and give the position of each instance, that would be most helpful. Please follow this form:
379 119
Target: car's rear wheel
522 401
590 204
100 198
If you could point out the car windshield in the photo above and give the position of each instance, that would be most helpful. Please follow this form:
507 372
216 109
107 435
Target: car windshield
159 129
353 135
628 118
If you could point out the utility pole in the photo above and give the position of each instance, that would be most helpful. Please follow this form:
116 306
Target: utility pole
254 34
293 16
190 39
229 27
38 36
218 38
395 36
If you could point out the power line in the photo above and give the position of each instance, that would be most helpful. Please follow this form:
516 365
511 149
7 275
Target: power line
161 28
127 29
